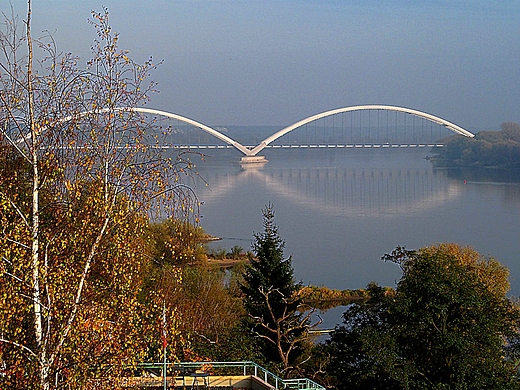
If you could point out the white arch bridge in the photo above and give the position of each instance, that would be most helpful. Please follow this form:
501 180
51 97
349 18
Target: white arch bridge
252 151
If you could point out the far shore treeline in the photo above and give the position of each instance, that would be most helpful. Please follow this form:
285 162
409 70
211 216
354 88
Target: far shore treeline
493 149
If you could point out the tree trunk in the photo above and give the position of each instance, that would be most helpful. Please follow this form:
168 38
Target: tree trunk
35 222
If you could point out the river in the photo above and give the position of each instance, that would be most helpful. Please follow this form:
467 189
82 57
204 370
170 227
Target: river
340 210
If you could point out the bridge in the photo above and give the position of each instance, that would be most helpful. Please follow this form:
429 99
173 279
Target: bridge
370 128
360 126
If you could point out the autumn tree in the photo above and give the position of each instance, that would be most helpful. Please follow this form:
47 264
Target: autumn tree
448 325
210 313
177 242
87 178
271 298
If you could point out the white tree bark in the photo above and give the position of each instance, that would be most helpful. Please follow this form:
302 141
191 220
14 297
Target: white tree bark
35 222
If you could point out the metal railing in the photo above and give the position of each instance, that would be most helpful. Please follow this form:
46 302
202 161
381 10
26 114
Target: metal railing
237 368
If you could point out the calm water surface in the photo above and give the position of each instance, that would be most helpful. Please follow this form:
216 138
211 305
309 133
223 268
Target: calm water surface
340 210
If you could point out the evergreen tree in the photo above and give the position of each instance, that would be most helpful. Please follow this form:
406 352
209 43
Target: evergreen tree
271 297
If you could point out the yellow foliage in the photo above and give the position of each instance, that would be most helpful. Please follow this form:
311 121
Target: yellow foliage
490 272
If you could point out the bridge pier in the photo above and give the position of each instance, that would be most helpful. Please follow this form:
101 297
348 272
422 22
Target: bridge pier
253 160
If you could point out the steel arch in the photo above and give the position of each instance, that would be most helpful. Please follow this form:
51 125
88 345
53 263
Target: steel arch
453 127
201 126
253 152
181 118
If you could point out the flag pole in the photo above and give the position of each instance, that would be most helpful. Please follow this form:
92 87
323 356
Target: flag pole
164 343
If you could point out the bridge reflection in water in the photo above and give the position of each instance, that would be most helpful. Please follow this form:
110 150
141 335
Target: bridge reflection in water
347 191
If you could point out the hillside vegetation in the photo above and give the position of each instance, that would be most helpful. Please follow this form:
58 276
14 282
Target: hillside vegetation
500 149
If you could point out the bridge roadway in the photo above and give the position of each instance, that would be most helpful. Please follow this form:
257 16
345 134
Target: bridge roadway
312 146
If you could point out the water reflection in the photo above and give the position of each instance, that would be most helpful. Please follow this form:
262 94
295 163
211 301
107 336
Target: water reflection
343 191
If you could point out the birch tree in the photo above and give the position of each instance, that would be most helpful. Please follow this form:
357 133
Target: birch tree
81 175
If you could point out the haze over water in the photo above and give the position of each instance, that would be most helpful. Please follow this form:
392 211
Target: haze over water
340 210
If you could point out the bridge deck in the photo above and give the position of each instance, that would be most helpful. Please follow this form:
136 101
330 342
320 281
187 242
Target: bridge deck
316 146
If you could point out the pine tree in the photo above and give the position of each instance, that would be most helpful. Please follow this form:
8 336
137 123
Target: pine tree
271 297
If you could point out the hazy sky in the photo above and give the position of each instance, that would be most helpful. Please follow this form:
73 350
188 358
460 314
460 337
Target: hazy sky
274 62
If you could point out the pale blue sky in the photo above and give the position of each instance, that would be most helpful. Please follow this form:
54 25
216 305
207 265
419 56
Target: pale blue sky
275 62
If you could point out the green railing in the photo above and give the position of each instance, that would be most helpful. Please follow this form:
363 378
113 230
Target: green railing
234 368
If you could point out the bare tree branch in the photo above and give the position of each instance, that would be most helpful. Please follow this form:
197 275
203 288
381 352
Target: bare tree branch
23 347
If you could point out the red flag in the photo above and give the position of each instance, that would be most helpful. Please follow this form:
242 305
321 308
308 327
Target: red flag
164 341
163 333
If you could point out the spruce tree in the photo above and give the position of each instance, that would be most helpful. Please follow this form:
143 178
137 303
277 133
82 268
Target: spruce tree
271 298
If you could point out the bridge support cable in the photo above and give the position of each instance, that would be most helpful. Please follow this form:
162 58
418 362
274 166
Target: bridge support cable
415 113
